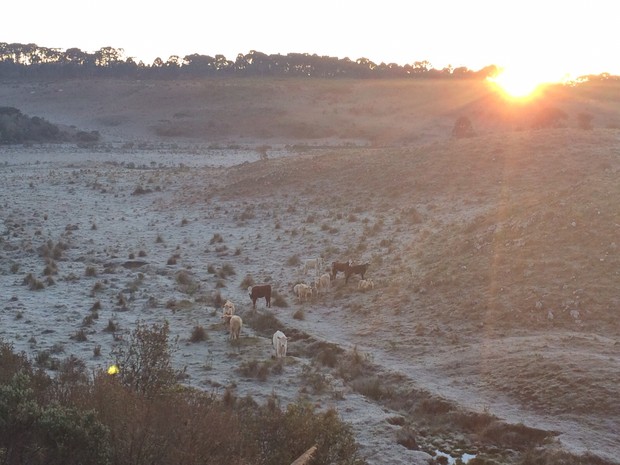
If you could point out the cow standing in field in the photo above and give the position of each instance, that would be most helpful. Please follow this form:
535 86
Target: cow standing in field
313 264
235 327
258 292
365 284
234 324
228 309
302 291
339 267
280 343
323 283
355 269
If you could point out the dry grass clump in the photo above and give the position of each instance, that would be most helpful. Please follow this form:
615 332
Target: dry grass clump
51 250
226 271
80 335
187 283
199 334
372 387
264 323
312 377
247 281
326 353
112 326
255 369
216 239
97 287
51 268
278 299
33 283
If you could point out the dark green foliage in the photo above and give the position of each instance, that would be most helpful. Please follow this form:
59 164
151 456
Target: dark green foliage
35 427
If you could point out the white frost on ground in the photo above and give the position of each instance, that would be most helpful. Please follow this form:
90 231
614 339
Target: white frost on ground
85 200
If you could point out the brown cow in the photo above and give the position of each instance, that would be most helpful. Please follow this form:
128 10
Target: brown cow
355 269
260 291
339 266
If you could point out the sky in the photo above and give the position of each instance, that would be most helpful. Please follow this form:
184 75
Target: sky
556 38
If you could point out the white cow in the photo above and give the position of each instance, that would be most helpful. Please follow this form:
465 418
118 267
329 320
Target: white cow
280 344
235 327
323 283
365 284
228 309
302 291
315 264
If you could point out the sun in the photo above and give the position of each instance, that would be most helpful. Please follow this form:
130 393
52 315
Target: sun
518 84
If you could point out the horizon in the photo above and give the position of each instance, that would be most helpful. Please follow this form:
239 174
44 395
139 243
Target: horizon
557 41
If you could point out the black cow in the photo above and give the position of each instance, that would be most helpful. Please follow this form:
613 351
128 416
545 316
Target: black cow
355 269
258 292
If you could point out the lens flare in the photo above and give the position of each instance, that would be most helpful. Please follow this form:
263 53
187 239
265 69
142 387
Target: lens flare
517 84
113 370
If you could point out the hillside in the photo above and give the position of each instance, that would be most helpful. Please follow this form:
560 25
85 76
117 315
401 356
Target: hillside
296 111
492 328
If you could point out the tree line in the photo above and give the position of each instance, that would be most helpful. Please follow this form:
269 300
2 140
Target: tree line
31 60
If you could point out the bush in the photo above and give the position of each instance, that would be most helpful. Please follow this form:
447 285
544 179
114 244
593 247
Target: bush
247 282
198 334
146 362
78 419
463 128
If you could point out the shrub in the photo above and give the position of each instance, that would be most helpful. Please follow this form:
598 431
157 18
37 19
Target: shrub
463 128
78 419
112 326
278 299
216 239
198 334
227 270
146 361
255 369
59 434
247 282
263 323
79 336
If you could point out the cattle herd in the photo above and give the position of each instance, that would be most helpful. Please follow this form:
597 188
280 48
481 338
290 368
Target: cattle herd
321 284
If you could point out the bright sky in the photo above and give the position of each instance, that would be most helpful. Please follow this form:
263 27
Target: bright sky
554 37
